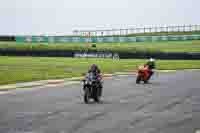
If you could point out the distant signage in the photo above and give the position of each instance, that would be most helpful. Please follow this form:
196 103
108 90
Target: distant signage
96 55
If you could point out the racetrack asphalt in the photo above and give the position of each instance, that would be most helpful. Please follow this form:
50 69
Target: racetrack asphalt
170 103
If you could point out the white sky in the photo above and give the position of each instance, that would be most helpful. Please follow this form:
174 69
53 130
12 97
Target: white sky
34 17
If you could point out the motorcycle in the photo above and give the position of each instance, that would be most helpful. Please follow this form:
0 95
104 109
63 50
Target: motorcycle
143 74
92 88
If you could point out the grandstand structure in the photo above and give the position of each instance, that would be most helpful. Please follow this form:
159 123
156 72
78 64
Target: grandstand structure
138 30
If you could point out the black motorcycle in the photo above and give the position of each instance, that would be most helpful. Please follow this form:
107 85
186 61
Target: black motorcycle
92 88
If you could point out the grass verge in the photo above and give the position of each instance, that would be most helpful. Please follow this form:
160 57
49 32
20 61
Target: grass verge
21 69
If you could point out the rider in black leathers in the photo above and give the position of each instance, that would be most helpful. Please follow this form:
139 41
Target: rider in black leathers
97 72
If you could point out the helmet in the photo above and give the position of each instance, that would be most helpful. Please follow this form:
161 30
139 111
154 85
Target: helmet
151 60
93 66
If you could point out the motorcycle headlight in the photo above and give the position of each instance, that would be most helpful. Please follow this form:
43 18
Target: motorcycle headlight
82 83
86 82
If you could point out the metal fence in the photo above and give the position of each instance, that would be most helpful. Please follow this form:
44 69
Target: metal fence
138 30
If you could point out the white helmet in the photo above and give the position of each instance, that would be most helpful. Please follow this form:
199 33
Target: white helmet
151 60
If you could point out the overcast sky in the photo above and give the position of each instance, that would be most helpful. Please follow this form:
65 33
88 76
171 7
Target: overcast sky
34 17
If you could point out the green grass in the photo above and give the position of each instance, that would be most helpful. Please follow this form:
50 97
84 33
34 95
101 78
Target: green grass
170 46
20 69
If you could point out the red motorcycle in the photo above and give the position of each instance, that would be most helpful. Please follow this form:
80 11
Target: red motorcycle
143 74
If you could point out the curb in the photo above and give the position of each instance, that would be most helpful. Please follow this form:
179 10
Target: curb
7 87
37 83
165 71
16 86
42 83
55 81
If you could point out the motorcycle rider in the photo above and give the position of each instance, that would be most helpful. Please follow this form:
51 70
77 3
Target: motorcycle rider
97 72
151 66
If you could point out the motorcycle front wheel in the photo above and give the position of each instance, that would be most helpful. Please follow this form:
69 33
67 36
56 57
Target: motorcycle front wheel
86 95
138 79
97 95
